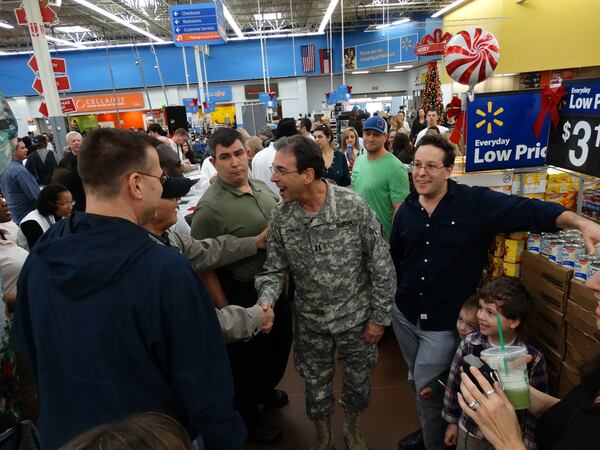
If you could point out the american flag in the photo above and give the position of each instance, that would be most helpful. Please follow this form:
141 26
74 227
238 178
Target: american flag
308 58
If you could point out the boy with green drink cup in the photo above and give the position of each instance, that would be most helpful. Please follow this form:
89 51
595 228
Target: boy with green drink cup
507 299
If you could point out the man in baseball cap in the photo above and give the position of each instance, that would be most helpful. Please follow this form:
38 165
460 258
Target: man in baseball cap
378 176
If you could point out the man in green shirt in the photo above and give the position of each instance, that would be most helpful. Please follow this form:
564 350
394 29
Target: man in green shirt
378 176
242 207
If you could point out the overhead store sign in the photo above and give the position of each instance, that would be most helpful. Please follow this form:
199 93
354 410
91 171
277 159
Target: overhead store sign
253 90
67 105
575 143
199 24
381 53
109 102
59 65
500 131
63 83
49 17
221 93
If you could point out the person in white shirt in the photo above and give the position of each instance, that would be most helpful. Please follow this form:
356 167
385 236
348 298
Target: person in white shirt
8 229
432 121
262 162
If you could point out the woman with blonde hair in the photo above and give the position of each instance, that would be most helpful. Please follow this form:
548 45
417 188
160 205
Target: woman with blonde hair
350 140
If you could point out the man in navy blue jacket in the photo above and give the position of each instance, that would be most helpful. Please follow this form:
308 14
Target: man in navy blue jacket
439 243
114 323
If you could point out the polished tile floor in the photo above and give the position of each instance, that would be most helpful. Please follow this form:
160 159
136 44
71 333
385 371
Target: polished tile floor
390 416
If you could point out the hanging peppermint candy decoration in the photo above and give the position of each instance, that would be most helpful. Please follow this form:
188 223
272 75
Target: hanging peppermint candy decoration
471 56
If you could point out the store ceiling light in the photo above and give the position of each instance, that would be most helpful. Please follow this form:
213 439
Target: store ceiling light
505 75
64 42
276 36
72 29
111 16
360 72
327 16
232 23
383 25
8 26
403 67
267 16
400 21
394 70
447 8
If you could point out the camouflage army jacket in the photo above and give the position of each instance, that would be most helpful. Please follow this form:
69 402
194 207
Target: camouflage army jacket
341 263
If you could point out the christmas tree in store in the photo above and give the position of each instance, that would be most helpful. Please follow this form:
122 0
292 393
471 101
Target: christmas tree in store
432 93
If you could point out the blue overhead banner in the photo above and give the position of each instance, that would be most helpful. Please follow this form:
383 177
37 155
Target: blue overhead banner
191 105
500 131
220 93
380 53
575 143
199 24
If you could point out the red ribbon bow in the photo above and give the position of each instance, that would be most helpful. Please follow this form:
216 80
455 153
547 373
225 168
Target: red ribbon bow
551 99
436 37
455 111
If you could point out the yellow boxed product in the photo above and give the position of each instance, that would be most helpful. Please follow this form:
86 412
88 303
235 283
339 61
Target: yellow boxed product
499 245
539 196
560 188
497 267
519 235
530 178
513 248
511 269
559 177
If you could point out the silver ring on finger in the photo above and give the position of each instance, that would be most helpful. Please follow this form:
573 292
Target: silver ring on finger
474 405
490 392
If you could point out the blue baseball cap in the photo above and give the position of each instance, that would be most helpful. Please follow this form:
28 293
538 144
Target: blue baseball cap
377 124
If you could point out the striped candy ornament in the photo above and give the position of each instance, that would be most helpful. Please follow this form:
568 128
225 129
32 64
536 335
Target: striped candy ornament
471 56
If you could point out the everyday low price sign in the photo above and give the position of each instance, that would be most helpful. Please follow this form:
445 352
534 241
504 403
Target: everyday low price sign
575 143
500 131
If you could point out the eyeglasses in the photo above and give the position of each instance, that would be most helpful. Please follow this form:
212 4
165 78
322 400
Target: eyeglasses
430 168
65 204
163 178
281 172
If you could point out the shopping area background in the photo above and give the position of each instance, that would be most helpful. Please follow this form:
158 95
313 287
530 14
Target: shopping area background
459 215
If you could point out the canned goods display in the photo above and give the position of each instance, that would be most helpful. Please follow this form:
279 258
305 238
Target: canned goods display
582 268
569 254
534 242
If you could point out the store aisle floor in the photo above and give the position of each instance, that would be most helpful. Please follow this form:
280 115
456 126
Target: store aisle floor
390 416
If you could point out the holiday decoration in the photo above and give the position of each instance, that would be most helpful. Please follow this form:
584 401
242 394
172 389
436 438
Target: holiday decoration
344 92
432 93
471 56
457 112
551 99
432 44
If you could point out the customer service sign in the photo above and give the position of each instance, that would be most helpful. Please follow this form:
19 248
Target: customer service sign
500 131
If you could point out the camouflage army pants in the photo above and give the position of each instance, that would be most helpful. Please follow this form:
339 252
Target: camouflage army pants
314 359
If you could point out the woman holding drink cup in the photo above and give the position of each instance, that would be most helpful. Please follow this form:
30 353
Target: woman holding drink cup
571 423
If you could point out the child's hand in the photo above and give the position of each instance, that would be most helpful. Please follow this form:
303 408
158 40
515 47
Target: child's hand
426 393
451 436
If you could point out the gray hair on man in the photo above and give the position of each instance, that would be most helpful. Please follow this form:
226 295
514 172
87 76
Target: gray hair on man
72 134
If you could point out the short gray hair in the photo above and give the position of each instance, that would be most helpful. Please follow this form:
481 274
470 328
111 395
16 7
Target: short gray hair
72 134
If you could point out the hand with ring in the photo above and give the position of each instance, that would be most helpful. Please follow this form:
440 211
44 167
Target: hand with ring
491 411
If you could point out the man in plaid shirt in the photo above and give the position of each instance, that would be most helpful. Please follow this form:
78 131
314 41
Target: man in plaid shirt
506 298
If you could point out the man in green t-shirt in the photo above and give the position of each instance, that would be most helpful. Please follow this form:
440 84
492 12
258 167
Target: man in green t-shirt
378 176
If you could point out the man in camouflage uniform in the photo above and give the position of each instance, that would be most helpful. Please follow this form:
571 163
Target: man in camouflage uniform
331 241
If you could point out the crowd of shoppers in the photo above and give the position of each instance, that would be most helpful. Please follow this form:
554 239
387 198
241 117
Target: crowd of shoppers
127 323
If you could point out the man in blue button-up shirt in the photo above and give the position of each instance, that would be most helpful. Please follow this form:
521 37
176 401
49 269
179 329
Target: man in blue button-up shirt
439 243
18 185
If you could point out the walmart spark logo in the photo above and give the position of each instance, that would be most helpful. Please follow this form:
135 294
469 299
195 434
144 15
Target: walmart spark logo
492 117
407 43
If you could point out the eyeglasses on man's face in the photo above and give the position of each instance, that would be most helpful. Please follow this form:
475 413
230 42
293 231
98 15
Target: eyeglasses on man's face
163 178
429 168
281 171
66 204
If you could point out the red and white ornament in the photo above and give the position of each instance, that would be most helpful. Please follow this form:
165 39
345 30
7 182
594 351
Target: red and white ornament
471 56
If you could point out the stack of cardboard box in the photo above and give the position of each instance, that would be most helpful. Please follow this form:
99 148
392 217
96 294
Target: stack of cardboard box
549 284
583 337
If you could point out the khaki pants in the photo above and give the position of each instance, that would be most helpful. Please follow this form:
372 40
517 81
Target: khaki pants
467 442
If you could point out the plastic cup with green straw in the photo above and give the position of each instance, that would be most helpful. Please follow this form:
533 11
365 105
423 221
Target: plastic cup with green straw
502 344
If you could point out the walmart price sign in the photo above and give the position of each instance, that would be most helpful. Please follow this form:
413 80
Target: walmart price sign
575 143
500 131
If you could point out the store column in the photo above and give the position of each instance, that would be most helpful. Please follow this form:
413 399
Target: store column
37 32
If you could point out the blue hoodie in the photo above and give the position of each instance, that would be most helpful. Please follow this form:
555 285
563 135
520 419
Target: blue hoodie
115 324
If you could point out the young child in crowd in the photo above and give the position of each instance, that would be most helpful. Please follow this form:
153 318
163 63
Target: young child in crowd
465 324
506 298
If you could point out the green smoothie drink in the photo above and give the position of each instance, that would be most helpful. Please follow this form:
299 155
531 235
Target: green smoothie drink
511 367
